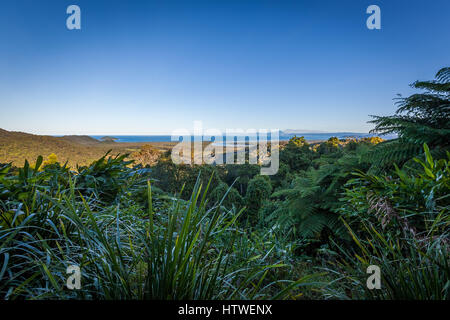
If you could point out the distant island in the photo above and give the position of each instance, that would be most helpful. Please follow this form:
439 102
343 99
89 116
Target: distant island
108 139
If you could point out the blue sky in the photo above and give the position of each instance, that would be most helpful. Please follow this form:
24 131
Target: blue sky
150 67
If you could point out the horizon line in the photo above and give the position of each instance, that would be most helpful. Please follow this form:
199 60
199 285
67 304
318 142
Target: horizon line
169 134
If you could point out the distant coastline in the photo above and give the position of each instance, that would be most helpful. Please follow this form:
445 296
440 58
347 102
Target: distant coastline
283 137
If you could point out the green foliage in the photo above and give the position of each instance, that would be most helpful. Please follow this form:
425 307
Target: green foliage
420 118
229 197
329 146
185 237
166 174
108 178
297 142
304 211
259 189
400 223
416 195
297 154
307 207
171 177
127 246
411 269
283 177
240 175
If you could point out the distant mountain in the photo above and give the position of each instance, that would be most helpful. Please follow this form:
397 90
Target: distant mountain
321 135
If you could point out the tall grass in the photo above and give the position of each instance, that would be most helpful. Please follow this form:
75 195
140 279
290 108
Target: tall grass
401 224
411 269
126 248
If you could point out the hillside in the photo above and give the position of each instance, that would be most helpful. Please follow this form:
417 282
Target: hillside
84 140
15 147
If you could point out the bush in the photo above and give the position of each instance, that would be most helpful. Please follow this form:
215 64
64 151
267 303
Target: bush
401 225
229 197
259 189
125 248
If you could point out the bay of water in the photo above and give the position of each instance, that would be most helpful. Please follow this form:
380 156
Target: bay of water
283 137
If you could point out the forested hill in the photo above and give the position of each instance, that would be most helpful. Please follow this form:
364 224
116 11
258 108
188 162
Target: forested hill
85 140
15 147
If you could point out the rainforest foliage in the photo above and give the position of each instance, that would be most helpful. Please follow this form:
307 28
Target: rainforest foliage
225 232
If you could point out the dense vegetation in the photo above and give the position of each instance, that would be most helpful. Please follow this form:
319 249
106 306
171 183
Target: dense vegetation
225 232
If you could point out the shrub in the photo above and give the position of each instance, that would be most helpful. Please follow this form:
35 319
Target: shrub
401 225
259 189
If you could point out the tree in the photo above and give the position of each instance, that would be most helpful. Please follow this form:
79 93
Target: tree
296 154
233 198
308 206
420 118
240 175
329 146
259 189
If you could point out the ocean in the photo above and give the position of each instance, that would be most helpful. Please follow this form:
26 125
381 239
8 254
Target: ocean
283 137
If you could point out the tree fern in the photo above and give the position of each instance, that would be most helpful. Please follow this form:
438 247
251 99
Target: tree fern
420 118
303 211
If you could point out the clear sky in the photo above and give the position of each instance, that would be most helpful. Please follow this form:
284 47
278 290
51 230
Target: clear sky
143 67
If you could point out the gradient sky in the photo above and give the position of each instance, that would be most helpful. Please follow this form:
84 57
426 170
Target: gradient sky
143 68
